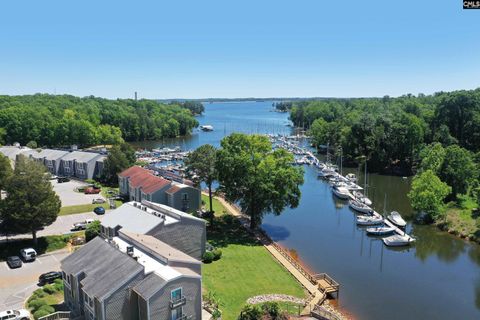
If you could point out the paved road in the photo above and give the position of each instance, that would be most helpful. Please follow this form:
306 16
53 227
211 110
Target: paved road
16 285
62 225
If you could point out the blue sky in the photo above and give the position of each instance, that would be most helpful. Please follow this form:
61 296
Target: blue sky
263 48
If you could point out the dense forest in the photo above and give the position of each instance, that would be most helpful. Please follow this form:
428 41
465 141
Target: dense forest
60 120
391 132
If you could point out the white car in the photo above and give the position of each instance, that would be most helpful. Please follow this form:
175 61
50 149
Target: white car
21 314
28 254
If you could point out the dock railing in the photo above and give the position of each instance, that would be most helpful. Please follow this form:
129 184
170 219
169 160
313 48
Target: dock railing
323 314
56 316
323 276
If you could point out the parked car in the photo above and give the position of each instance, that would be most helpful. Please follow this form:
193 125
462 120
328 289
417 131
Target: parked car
49 277
14 262
99 210
92 190
81 225
20 314
98 200
62 179
28 254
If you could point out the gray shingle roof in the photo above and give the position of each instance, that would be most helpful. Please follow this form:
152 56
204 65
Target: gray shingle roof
104 266
149 286
11 151
81 156
131 219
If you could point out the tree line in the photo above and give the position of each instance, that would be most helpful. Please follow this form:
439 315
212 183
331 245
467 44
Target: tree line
61 120
391 132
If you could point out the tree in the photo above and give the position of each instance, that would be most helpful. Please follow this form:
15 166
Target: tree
120 157
259 179
31 202
201 168
32 144
427 193
93 230
458 169
5 171
432 157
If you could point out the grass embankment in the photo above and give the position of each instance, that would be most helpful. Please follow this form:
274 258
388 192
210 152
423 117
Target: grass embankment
246 268
82 208
46 300
217 206
45 244
461 219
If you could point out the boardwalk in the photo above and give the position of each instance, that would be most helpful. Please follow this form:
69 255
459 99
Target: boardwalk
318 286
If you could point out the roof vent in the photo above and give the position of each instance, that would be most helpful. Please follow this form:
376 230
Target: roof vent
130 250
144 208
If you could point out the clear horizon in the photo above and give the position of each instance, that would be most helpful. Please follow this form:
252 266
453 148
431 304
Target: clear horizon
191 50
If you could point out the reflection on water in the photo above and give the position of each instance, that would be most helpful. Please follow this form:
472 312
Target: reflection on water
438 278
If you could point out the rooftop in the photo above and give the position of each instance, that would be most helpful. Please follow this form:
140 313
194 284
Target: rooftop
81 156
136 218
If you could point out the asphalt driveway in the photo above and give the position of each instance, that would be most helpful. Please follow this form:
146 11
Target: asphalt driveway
16 285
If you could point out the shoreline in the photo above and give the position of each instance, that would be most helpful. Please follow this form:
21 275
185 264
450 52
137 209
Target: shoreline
314 293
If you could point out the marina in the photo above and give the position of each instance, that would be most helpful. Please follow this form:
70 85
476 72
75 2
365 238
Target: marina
322 230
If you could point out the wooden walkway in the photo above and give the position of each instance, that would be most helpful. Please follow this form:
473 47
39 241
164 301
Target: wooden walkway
318 286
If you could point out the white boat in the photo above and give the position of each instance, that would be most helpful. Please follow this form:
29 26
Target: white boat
352 177
360 197
396 219
398 240
380 231
326 172
360 207
369 220
341 192
206 127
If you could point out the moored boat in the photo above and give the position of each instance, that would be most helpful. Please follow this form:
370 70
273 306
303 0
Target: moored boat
360 197
206 127
360 207
341 192
398 240
352 177
396 219
368 220
380 231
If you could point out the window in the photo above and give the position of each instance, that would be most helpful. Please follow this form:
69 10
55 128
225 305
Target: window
66 169
176 294
185 196
177 313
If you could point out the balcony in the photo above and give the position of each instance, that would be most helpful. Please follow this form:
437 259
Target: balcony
174 303
184 317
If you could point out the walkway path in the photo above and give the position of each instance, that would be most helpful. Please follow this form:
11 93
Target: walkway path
312 289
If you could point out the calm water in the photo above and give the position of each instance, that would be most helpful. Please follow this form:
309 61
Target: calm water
438 278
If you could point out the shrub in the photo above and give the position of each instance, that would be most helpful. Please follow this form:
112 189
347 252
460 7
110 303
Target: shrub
272 309
228 219
47 308
36 304
217 254
208 257
58 285
250 312
50 289
39 293
40 313
93 230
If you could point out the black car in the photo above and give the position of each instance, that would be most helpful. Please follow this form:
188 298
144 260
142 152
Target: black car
62 179
49 277
14 262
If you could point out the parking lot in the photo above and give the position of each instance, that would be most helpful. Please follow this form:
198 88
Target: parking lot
68 195
16 285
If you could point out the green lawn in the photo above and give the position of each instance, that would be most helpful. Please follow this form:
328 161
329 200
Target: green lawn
461 218
45 244
217 206
246 269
